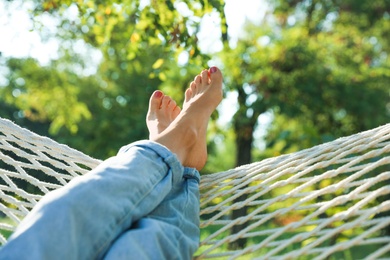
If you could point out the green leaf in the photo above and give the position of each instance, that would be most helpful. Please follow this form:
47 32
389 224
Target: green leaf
158 64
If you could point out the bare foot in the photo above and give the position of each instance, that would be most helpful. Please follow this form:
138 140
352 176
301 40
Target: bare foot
162 111
186 135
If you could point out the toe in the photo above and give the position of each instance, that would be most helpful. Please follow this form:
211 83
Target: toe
155 101
171 105
165 101
188 95
176 111
215 75
193 88
198 80
205 77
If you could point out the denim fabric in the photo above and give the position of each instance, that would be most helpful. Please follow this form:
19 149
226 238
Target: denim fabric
141 203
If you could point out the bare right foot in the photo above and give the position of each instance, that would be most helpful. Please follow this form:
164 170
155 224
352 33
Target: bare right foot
186 135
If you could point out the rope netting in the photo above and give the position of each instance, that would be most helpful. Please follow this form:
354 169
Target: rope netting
328 202
30 166
332 200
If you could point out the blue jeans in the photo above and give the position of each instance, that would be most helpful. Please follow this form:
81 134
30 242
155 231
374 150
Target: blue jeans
140 204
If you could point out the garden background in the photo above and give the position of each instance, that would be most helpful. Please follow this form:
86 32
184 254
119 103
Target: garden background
297 73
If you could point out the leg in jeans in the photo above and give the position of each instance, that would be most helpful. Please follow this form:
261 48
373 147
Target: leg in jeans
80 220
171 231
142 188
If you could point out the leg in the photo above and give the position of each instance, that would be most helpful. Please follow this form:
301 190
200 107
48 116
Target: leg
84 218
80 220
171 231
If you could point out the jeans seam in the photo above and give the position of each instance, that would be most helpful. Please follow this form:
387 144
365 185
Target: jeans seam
186 203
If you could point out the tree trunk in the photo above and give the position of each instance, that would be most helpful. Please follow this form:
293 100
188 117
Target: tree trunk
244 141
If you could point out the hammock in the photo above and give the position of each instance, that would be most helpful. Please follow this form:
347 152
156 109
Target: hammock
328 202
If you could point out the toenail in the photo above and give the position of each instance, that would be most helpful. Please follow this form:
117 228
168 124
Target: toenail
213 69
158 94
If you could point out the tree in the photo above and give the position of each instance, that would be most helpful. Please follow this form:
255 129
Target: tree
139 46
328 70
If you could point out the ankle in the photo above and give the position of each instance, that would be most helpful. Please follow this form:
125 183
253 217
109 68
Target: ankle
190 135
178 139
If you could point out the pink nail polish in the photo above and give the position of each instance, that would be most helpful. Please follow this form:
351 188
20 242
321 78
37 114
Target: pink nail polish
213 69
158 94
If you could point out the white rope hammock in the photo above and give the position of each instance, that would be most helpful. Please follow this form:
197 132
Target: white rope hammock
332 200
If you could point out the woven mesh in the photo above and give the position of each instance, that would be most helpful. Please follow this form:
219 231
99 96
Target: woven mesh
332 200
30 166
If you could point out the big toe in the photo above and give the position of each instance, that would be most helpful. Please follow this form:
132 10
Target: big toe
155 101
215 75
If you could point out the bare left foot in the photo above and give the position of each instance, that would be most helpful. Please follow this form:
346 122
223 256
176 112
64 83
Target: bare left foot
162 111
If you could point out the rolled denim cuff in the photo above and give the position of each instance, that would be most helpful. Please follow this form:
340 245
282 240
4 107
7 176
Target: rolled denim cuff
178 170
191 173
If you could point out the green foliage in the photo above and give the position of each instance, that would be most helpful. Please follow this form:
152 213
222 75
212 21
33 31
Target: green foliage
139 45
142 24
334 79
321 67
221 147
40 93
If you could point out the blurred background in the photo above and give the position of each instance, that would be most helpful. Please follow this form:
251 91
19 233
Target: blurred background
297 73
